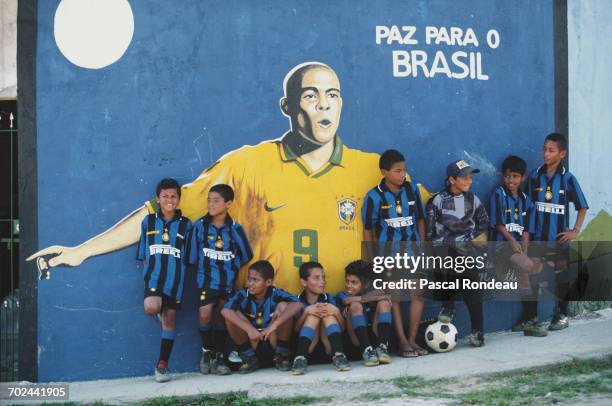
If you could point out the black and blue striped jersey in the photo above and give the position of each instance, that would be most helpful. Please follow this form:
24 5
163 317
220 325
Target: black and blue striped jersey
393 216
551 198
323 298
259 312
163 248
509 211
219 252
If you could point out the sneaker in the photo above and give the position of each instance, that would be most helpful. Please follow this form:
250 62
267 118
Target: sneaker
161 374
558 322
282 361
218 367
341 362
446 315
249 364
299 365
476 339
205 361
370 358
383 354
534 329
519 327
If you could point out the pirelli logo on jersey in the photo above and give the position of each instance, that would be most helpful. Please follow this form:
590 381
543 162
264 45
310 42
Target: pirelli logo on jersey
514 228
550 208
218 255
398 222
164 249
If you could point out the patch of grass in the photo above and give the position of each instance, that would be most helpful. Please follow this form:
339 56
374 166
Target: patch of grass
232 399
544 385
419 387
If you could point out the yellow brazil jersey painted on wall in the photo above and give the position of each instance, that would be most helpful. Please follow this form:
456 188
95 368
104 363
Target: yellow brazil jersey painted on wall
292 214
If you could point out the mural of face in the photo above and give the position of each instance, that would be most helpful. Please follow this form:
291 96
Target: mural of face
317 114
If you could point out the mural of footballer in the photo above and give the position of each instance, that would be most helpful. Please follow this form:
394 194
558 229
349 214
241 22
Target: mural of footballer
297 196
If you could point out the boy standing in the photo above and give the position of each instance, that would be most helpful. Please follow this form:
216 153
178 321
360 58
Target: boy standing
320 323
393 211
509 227
260 318
552 187
365 309
455 217
221 247
162 248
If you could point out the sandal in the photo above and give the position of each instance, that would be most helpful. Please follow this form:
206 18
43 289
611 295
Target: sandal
420 351
408 352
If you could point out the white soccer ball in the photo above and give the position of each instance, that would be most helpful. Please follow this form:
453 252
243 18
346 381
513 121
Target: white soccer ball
441 337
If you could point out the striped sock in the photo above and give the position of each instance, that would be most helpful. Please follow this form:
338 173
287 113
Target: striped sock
333 335
359 327
306 337
384 328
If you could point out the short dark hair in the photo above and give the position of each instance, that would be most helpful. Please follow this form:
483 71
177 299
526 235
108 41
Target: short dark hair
514 163
559 139
389 158
263 268
307 267
293 81
226 191
168 183
361 269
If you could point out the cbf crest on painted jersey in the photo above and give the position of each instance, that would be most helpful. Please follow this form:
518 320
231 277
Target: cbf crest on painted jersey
162 247
551 197
259 313
509 211
393 216
219 252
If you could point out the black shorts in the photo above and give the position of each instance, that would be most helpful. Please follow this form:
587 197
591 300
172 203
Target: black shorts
319 355
208 296
265 353
167 301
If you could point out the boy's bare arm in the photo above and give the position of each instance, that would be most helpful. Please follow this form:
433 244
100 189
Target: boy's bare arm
516 247
291 309
573 233
125 233
242 323
374 296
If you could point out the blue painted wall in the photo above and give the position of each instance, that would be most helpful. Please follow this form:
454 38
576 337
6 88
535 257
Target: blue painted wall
205 78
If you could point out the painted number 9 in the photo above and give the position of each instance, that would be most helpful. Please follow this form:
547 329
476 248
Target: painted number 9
305 242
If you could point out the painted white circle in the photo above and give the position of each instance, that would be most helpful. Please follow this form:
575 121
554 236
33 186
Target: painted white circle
93 33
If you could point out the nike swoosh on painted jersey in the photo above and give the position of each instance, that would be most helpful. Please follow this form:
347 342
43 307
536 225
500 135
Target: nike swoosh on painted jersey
270 209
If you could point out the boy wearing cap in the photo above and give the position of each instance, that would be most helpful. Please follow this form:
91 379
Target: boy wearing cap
455 217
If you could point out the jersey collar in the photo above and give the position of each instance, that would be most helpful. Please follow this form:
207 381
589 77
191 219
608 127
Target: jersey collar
560 170
177 215
229 221
288 155
382 186
320 299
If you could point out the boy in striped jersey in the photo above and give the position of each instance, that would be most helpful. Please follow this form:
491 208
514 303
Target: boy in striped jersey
260 319
509 227
162 248
393 211
220 246
552 187
320 324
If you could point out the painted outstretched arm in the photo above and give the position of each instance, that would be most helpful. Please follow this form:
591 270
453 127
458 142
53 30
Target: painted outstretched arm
126 232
